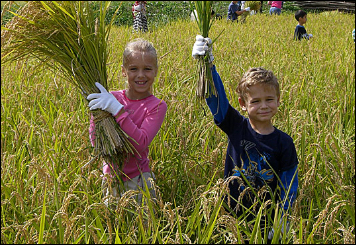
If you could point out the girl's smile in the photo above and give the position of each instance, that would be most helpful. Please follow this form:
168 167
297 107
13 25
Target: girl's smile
140 72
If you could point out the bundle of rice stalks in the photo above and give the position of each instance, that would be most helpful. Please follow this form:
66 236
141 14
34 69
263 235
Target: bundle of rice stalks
254 5
203 17
69 40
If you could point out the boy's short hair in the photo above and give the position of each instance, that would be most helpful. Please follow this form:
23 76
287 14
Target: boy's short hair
257 75
300 14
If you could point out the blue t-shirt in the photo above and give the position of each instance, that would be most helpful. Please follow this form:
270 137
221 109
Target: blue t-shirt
231 13
300 32
260 158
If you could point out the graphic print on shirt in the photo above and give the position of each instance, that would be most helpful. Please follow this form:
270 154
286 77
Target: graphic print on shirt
254 166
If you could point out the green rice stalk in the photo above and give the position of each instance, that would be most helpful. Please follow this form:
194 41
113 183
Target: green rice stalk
68 38
205 84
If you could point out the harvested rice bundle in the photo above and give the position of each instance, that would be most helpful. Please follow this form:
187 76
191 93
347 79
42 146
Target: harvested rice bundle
252 5
202 13
66 37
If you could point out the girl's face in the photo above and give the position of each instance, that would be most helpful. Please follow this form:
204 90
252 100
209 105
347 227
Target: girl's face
261 104
140 71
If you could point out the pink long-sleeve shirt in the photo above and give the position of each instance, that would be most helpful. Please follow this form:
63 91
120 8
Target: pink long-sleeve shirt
141 121
277 4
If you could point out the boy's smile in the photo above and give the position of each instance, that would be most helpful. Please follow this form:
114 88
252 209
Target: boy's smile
261 105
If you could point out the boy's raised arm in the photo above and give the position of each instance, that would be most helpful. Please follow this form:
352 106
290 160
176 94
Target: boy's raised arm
218 104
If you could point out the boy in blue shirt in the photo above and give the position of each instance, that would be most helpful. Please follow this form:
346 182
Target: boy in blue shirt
234 11
300 31
260 155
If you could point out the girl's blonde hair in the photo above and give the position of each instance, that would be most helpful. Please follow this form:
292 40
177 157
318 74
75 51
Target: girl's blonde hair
257 75
138 45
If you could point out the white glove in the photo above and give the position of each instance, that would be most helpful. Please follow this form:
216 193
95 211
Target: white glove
138 7
104 101
310 35
200 47
247 9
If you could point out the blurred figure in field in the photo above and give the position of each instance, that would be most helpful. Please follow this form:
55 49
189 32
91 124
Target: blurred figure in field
353 34
276 7
300 32
234 11
139 16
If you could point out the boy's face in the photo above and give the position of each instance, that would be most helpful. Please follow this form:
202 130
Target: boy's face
303 20
261 103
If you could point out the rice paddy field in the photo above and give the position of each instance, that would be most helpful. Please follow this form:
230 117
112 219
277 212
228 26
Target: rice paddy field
49 196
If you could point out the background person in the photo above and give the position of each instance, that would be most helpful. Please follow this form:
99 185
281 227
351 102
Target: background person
300 32
139 16
234 11
276 7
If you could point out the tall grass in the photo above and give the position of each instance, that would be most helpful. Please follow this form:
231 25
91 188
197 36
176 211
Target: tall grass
46 196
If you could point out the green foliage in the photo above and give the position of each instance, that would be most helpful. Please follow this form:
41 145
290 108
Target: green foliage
158 12
45 144
69 38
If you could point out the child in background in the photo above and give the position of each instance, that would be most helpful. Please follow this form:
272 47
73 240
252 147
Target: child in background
234 11
300 32
257 150
139 16
276 7
138 112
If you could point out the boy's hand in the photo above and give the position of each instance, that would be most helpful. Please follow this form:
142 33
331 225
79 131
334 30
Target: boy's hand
104 101
200 47
310 35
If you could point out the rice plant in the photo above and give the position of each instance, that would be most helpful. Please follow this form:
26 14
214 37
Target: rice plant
47 197
253 5
204 20
67 38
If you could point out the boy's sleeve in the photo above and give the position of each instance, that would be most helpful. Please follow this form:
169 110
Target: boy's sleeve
218 105
300 32
289 178
288 171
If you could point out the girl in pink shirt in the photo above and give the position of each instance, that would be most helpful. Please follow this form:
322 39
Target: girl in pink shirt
139 113
276 7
